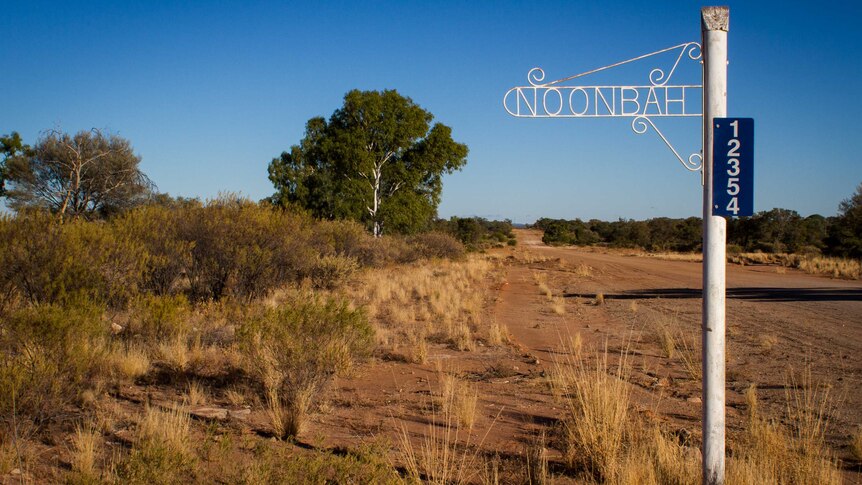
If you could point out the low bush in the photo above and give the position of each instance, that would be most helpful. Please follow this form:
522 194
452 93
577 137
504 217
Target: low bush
162 451
294 350
168 255
46 354
477 233
158 317
436 245
243 249
344 238
53 262
330 272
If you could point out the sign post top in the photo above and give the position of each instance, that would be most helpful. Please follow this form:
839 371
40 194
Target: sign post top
715 18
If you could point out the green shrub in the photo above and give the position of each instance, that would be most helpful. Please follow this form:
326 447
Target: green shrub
47 353
243 249
53 262
330 272
277 465
436 245
343 238
158 317
294 351
168 255
8 290
734 249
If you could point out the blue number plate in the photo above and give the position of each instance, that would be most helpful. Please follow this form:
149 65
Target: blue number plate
733 167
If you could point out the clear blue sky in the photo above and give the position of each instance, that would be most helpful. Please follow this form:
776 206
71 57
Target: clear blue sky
209 92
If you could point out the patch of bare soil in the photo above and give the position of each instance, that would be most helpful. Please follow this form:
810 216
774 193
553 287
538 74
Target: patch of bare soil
780 324
549 303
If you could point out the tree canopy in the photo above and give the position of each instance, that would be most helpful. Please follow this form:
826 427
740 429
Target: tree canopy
846 235
377 160
11 148
86 174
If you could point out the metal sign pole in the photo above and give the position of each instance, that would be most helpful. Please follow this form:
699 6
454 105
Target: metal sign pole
714 27
658 99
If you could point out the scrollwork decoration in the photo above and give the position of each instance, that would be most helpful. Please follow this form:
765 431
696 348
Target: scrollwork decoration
641 124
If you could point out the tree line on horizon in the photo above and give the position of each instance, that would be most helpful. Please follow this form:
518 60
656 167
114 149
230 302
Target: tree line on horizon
379 161
773 231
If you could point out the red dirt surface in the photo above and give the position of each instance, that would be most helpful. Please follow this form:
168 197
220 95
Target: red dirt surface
780 323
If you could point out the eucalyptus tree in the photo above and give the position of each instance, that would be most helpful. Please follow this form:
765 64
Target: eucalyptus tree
12 147
377 160
83 175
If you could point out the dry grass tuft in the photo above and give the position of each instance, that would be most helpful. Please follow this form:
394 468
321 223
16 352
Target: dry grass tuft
418 347
129 363
583 270
458 399
767 341
666 339
444 455
676 341
600 299
446 296
690 355
596 406
235 396
536 456
498 334
812 264
751 401
558 304
85 449
656 457
774 453
196 394
170 428
162 451
175 354
856 444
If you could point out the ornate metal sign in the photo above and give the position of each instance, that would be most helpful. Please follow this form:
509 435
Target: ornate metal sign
641 103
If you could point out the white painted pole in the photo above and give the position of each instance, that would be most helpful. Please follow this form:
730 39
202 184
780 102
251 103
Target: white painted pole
714 27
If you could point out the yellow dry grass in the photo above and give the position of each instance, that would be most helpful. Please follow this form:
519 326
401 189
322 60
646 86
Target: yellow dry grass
856 444
676 342
767 341
595 399
498 334
558 305
812 264
85 448
583 270
129 363
447 453
175 353
536 457
458 399
196 394
772 452
170 427
440 299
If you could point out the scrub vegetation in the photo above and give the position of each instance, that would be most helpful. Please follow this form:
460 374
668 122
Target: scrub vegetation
229 301
815 244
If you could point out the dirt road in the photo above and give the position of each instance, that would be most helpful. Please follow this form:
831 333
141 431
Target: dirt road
781 323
